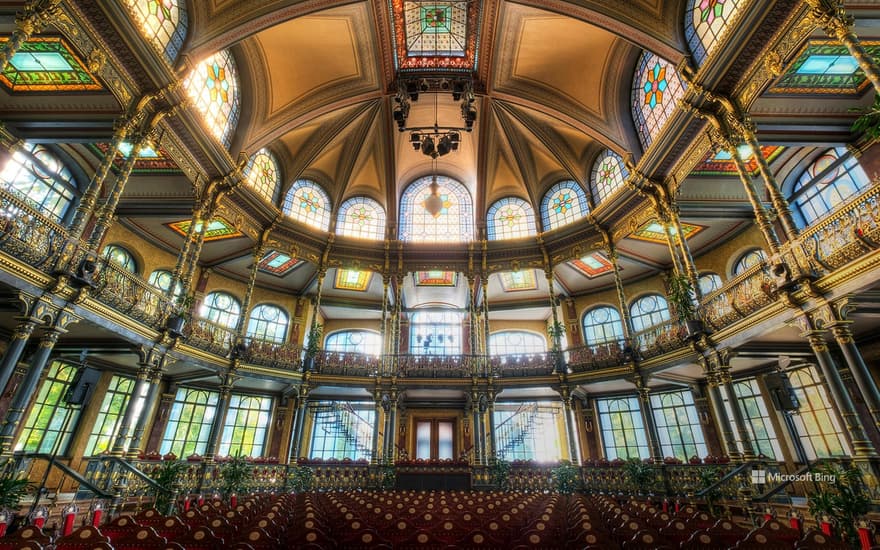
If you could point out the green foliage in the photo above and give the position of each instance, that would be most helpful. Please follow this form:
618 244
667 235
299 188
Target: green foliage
299 479
681 296
14 486
387 476
234 475
842 500
185 304
500 472
708 477
315 334
555 331
640 475
167 475
567 478
869 122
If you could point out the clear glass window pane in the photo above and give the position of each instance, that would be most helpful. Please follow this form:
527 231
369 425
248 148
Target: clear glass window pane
423 440
444 440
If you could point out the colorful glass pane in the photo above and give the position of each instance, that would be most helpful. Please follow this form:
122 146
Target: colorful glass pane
34 174
350 279
722 163
706 22
361 217
593 265
435 34
653 232
512 281
163 23
454 222
218 229
655 94
831 179
306 202
510 218
262 174
563 204
213 87
435 278
277 263
609 173
825 67
47 64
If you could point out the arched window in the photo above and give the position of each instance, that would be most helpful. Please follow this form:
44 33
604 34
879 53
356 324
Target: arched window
609 173
263 175
189 422
308 203
656 91
648 311
709 283
245 426
355 341
221 308
121 257
510 218
705 22
623 431
602 325
749 259
361 217
163 23
435 333
510 342
161 279
678 424
831 179
563 204
38 177
213 87
453 221
268 323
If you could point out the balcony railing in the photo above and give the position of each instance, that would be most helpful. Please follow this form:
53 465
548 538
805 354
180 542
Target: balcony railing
210 336
592 357
439 366
529 364
26 233
347 363
271 354
662 338
129 294
738 298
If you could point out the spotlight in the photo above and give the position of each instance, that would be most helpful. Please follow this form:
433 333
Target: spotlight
444 84
457 90
423 85
454 140
415 139
400 113
444 146
428 147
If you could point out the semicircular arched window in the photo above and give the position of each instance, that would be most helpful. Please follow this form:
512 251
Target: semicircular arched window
831 179
563 204
516 342
655 94
262 174
121 257
444 214
709 283
163 23
267 323
609 173
510 218
354 341
306 202
37 176
362 218
161 279
602 325
648 311
706 22
221 308
748 260
213 88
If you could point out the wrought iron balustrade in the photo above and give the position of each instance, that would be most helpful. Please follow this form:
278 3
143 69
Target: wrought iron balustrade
667 336
272 354
130 294
848 232
209 336
743 295
596 356
522 364
26 233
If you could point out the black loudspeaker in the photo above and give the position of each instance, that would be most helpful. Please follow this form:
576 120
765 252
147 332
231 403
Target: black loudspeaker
783 395
82 386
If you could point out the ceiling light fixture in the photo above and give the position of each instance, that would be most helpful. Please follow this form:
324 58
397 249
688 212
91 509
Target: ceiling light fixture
435 141
434 202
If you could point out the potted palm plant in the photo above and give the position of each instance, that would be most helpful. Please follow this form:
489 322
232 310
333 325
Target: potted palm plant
681 296
313 346
839 496
177 320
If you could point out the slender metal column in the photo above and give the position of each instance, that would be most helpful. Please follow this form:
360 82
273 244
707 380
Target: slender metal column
31 20
150 399
858 368
14 350
648 419
831 16
723 419
135 404
724 379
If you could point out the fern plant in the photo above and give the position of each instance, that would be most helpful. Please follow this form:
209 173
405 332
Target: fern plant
167 475
234 475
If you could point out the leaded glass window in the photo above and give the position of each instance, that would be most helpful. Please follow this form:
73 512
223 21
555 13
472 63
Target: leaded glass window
516 342
648 311
602 325
609 174
38 177
121 257
454 220
678 424
163 23
342 430
706 22
268 323
754 410
161 279
51 421
435 333
623 432
748 260
709 283
510 218
308 203
109 418
221 308
245 426
656 91
816 422
213 88
263 175
361 217
830 180
529 431
563 204
189 422
356 341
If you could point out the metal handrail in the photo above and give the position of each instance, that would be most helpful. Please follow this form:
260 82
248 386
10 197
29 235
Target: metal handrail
137 473
727 477
67 470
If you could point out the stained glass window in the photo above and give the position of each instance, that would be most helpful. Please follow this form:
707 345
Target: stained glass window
454 220
245 426
263 175
648 311
38 177
623 431
110 416
709 283
308 203
163 23
161 279
529 431
189 422
754 410
436 28
356 341
121 257
563 204
516 342
268 323
705 22
609 174
830 180
342 430
435 333
221 308
213 87
656 91
510 218
51 420
748 260
678 424
602 325
816 421
361 217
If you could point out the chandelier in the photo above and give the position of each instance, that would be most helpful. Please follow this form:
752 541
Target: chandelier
435 141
